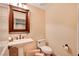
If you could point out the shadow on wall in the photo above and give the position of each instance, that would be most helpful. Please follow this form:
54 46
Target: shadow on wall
70 51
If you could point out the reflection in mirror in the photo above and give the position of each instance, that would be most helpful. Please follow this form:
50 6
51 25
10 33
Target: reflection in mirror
19 22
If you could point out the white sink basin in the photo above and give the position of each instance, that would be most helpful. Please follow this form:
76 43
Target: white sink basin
20 42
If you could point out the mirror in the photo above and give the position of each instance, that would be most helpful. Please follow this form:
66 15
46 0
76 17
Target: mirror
18 19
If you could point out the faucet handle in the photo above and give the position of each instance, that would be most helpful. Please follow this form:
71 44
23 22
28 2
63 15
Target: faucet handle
16 38
22 37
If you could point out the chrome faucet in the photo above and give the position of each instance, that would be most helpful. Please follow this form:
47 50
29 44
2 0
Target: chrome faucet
19 36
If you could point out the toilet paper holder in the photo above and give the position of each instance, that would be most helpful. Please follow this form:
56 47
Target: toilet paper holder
66 45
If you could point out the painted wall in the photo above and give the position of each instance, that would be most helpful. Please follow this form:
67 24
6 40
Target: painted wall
3 23
61 28
37 23
58 23
78 28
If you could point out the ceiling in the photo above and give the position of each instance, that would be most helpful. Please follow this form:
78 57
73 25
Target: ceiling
39 5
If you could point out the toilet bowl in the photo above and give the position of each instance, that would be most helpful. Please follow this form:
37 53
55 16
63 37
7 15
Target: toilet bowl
42 45
47 50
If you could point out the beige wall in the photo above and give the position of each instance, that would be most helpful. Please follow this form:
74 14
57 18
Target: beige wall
37 23
58 23
61 28
78 28
3 23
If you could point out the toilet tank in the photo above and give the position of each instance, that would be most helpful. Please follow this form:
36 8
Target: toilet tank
41 43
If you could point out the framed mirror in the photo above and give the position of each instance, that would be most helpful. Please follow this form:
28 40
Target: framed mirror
18 19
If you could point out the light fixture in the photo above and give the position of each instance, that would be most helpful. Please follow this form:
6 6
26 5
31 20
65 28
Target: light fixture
22 5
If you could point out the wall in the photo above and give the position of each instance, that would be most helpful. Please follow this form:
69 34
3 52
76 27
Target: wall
37 23
78 28
61 28
3 23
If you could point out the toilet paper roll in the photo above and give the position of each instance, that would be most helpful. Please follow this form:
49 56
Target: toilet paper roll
66 48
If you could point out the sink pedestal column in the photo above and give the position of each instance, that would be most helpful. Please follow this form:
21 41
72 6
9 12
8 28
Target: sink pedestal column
20 45
20 51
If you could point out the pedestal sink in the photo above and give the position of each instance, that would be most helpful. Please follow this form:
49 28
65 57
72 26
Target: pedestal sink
20 43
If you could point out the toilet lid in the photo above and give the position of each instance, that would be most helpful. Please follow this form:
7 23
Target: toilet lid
46 49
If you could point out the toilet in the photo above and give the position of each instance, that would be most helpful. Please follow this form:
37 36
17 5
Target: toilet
41 44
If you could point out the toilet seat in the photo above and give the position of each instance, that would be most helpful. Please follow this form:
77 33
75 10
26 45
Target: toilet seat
46 49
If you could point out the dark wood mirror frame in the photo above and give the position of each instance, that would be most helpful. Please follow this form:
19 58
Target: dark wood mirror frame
11 19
